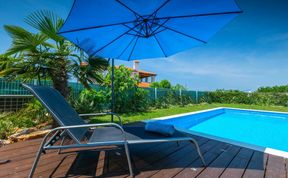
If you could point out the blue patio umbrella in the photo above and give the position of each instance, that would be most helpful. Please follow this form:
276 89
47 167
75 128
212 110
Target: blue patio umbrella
142 29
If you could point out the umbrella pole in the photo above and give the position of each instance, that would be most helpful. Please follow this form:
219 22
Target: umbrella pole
112 94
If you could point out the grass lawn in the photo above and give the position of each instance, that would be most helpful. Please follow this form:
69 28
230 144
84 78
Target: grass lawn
133 117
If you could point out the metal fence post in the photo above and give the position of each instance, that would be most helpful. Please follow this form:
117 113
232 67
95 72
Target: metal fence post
155 95
196 96
180 95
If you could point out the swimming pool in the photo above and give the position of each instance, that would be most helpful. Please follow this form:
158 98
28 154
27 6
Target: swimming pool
260 130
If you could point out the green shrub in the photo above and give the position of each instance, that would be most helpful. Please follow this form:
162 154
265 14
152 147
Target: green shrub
6 128
160 103
274 89
90 101
128 97
35 111
229 96
131 100
186 99
255 98
29 116
203 97
140 100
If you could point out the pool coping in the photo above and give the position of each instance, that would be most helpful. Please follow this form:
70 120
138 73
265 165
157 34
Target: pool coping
226 140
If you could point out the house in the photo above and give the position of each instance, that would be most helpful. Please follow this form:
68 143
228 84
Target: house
146 78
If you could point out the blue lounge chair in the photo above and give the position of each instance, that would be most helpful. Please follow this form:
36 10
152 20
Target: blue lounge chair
105 134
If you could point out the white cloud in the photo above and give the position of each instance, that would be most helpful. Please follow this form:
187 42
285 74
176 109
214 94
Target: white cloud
279 37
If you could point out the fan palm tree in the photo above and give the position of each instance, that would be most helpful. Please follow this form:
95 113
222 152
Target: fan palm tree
32 54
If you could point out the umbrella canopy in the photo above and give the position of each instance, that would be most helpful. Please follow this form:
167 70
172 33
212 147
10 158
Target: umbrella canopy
140 29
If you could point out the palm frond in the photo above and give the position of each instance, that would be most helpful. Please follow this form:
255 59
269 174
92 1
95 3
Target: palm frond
23 40
98 63
47 22
92 73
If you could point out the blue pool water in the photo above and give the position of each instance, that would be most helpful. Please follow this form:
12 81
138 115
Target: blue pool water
262 129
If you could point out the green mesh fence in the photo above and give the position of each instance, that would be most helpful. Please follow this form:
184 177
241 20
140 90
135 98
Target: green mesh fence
178 96
202 96
151 93
15 90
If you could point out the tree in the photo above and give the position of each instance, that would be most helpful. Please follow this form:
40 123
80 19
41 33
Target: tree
33 54
165 84
179 87
161 84
155 85
128 97
90 72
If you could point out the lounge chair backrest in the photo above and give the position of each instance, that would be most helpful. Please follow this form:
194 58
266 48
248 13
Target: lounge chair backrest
58 107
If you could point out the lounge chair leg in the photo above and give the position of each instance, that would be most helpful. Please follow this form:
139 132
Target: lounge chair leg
40 151
61 144
198 150
128 159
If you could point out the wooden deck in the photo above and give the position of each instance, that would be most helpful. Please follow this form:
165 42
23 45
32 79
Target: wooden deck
151 160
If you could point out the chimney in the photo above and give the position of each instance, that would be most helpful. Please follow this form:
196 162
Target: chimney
136 65
84 64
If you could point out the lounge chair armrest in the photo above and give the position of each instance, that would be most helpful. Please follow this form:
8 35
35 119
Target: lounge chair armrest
57 129
102 114
88 126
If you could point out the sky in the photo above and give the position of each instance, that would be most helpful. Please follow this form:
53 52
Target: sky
249 52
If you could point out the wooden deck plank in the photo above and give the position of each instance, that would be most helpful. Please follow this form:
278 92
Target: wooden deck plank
153 168
177 166
275 167
85 165
256 166
195 168
46 162
89 163
22 165
153 153
143 161
19 145
218 166
238 165
286 166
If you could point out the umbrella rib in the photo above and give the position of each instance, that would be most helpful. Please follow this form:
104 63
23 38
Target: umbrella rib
135 36
159 31
185 34
127 46
115 39
160 7
142 36
158 42
201 15
159 26
138 33
150 26
181 33
124 5
130 28
133 49
93 27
